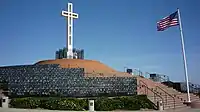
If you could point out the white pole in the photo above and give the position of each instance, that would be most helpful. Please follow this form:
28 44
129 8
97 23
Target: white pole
125 68
184 57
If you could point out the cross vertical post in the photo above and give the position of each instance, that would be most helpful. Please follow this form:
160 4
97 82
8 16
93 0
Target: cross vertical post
70 16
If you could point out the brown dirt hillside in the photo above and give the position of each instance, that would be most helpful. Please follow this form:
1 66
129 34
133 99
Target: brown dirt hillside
92 68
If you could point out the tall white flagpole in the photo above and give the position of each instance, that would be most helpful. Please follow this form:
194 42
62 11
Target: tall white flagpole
184 57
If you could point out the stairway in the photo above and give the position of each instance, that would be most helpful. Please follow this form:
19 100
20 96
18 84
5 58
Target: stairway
156 91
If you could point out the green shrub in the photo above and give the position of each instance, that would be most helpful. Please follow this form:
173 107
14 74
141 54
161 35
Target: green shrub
124 103
25 103
50 103
101 103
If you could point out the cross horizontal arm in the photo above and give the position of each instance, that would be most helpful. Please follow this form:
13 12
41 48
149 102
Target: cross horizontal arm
66 14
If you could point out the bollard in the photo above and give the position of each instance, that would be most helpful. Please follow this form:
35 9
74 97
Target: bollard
4 102
160 105
91 105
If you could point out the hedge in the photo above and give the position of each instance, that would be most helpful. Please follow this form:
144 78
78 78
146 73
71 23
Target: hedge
123 103
50 103
101 103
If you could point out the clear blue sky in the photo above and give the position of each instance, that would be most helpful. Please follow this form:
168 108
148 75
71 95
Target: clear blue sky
114 32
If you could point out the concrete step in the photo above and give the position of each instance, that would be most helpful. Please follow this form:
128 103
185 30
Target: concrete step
195 100
176 104
178 109
173 102
179 97
172 107
192 99
191 94
185 95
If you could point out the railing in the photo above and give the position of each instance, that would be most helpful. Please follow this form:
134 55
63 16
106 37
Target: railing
166 93
160 77
140 73
163 78
146 91
95 74
143 84
194 88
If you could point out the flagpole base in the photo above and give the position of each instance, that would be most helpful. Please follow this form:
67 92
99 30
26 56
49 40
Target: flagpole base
188 103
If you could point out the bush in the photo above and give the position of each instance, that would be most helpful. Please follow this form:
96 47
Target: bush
50 103
124 103
25 103
101 103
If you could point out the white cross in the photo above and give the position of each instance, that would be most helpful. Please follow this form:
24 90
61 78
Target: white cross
70 16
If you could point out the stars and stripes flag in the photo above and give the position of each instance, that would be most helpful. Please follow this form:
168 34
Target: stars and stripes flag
171 20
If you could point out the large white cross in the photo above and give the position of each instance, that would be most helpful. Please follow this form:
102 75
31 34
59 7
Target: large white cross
70 16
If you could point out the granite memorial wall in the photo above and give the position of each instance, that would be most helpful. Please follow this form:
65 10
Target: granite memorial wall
39 80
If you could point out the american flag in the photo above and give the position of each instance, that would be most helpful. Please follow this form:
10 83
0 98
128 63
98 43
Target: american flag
171 20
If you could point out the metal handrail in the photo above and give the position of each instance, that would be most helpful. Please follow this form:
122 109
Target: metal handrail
99 74
166 95
194 88
160 76
139 71
164 78
155 94
146 91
